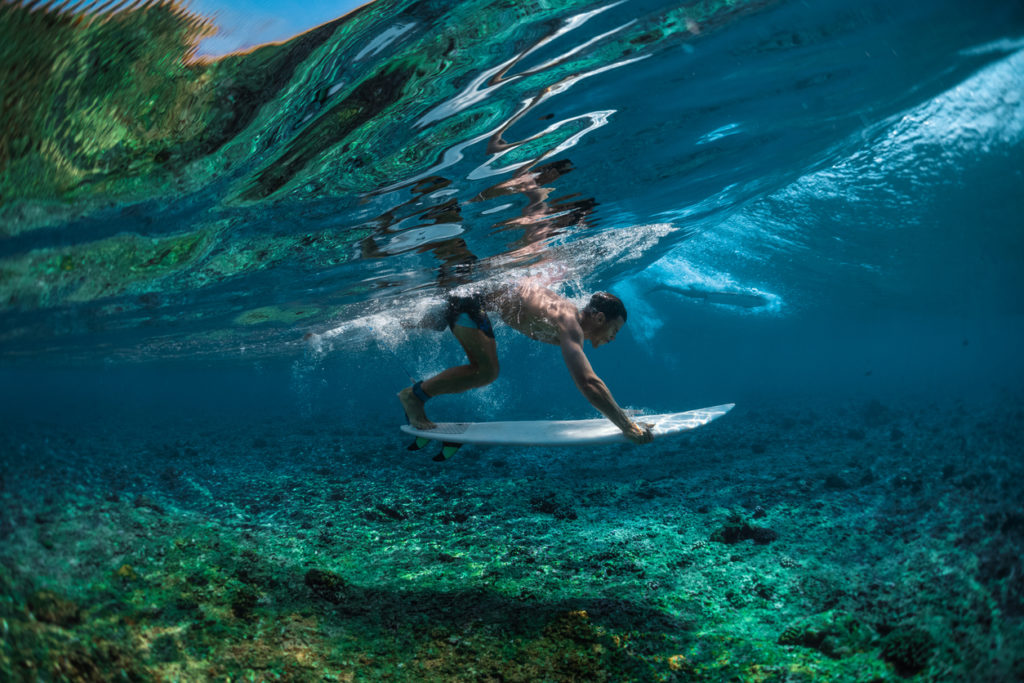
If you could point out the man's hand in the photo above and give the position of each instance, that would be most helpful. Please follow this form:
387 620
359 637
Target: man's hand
591 386
639 433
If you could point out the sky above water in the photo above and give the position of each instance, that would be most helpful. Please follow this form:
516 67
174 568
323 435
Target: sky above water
246 23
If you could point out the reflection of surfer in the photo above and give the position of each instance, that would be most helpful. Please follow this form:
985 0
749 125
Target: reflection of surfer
542 217
543 315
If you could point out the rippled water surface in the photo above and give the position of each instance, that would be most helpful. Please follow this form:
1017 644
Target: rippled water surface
763 159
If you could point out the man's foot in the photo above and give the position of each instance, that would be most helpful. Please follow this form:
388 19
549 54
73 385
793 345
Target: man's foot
414 411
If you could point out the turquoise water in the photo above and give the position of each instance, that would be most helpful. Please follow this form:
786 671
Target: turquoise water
781 194
810 209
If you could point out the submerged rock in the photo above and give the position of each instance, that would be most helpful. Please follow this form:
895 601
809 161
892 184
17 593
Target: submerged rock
383 513
326 585
553 504
908 481
908 650
835 482
244 601
53 609
574 625
736 530
142 501
833 633
456 517
126 573
393 513
165 649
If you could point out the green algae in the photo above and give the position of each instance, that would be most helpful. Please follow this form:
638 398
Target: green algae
91 97
129 265
114 104
106 268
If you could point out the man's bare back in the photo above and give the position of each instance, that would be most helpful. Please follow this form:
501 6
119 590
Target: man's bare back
532 309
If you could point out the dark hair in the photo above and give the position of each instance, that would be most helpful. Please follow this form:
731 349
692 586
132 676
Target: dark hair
609 304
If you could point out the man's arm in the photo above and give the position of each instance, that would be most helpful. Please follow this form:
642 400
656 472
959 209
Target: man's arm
593 388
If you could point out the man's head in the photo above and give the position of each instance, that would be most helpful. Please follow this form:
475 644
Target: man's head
603 317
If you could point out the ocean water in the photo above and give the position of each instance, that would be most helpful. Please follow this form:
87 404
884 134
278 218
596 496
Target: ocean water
210 268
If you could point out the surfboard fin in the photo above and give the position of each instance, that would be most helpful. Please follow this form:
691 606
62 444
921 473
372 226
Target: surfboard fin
419 443
448 449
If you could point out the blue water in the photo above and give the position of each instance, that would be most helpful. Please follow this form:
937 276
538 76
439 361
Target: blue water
801 204
787 198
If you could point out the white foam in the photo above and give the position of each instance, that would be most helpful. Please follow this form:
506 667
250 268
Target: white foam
903 158
1001 45
720 132
983 113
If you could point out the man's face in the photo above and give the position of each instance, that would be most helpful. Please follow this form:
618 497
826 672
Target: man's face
606 331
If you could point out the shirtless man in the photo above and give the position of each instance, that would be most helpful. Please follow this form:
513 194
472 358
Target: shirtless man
540 314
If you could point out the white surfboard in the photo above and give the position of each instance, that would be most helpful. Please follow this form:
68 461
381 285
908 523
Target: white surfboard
556 432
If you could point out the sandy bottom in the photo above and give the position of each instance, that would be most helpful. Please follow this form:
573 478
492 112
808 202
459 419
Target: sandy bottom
862 542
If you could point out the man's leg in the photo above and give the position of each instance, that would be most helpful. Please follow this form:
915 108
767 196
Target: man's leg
482 369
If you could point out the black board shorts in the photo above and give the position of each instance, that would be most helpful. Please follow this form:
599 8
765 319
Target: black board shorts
468 311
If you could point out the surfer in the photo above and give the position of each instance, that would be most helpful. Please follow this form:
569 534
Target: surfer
534 310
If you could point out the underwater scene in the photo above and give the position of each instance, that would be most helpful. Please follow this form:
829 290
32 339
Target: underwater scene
231 272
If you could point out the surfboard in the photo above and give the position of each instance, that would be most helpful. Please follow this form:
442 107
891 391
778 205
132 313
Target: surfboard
555 432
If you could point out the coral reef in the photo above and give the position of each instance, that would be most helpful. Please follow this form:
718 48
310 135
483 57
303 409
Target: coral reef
292 551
